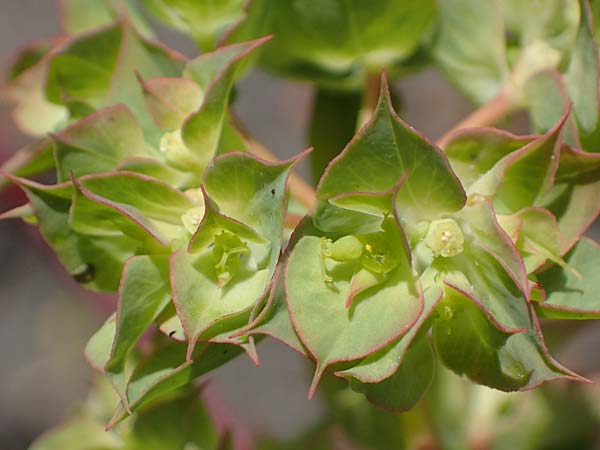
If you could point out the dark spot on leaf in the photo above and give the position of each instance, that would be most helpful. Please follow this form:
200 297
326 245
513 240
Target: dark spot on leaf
224 352
273 192
172 333
86 275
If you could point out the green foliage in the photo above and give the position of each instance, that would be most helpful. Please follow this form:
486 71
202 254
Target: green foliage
412 256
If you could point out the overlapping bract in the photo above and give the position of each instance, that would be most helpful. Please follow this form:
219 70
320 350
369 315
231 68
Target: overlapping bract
470 245
458 258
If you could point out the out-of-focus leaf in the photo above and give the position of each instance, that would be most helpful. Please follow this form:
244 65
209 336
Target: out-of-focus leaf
470 47
80 433
30 160
182 423
33 113
202 19
582 74
335 40
78 16
547 100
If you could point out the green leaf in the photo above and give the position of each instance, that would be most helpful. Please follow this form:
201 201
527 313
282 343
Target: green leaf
408 384
251 191
171 100
538 238
165 371
331 331
473 152
570 297
548 100
99 143
274 319
79 16
181 423
143 294
33 159
575 198
201 303
484 231
214 222
470 47
385 151
468 343
27 57
156 169
95 262
480 276
99 69
582 74
522 178
80 433
109 204
334 40
553 21
201 19
215 73
383 364
98 349
226 280
33 113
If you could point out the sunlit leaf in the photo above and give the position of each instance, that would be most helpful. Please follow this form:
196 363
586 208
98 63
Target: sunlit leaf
567 295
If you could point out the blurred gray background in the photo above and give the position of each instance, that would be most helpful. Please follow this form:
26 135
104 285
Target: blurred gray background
45 319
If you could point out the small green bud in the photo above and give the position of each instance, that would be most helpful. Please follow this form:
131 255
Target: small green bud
347 248
445 238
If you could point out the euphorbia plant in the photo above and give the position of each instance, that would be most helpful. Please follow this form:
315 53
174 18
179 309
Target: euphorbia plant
410 254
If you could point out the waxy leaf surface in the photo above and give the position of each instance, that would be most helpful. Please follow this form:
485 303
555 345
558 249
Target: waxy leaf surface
384 151
568 296
99 143
143 294
334 333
